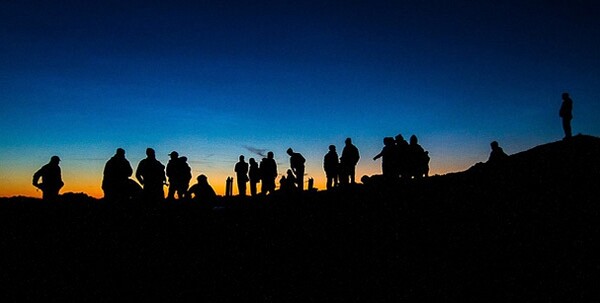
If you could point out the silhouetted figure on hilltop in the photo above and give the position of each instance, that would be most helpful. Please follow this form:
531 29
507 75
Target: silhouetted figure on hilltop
287 184
254 176
403 158
268 171
497 155
566 113
202 191
389 161
116 183
419 159
241 173
331 165
186 177
51 179
297 165
179 174
151 175
348 161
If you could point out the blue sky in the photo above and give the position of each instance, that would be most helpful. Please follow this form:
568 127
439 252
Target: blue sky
79 79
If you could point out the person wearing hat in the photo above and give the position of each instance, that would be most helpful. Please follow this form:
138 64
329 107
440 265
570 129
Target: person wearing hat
174 173
51 179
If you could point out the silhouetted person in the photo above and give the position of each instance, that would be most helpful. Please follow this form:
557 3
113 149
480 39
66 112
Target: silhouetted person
268 171
297 165
51 179
186 177
403 157
151 175
566 113
202 191
418 159
179 174
348 161
241 173
389 161
497 155
116 183
331 165
254 175
287 183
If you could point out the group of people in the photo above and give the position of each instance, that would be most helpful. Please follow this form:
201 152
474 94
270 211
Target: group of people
251 172
341 171
399 159
150 173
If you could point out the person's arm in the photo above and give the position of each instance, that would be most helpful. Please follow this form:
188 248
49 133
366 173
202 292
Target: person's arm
36 177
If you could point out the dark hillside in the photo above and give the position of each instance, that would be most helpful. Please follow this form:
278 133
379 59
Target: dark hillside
520 231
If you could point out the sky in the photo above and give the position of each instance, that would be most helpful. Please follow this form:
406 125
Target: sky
217 79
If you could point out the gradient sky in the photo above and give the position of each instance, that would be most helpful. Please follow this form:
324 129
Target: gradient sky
211 79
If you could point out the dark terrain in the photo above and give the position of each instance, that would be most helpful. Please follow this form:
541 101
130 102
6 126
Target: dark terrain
525 230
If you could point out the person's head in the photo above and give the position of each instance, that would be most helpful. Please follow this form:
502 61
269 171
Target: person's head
202 179
399 138
290 151
174 155
290 172
494 144
387 141
348 141
183 159
241 158
332 148
413 139
565 96
252 161
54 160
120 153
270 155
150 153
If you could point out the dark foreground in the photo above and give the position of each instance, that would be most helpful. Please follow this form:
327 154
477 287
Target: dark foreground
521 232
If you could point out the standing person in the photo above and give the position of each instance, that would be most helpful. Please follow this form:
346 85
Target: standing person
116 177
330 165
403 158
418 159
186 177
348 161
254 174
51 179
389 161
241 173
179 174
268 171
297 165
566 113
151 175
